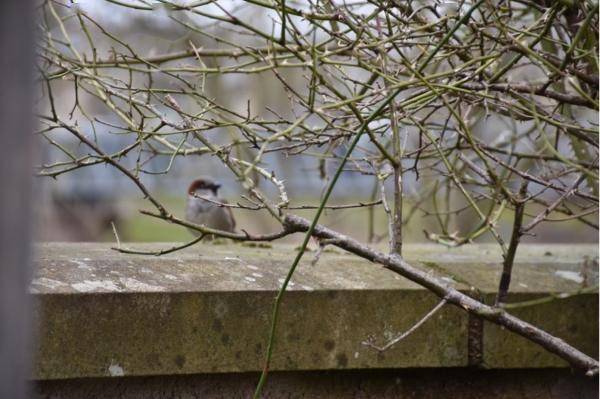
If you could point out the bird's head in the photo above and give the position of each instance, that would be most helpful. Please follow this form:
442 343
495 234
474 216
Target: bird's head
203 186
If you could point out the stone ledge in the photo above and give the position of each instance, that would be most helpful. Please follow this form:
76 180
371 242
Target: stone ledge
207 310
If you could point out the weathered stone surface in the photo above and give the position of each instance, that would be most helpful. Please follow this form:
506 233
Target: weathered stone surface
207 309
575 319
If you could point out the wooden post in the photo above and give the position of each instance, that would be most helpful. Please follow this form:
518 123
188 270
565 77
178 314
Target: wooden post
16 168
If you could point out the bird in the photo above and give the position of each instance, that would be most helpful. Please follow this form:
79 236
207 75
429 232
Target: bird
202 207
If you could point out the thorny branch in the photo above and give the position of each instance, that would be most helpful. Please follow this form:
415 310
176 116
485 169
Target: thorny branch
453 296
462 104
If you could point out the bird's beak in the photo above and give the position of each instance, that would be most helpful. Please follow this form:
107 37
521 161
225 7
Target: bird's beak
217 185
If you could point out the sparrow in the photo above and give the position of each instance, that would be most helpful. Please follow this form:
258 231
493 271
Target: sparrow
207 212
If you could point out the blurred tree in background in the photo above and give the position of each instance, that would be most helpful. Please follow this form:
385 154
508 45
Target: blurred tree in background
171 91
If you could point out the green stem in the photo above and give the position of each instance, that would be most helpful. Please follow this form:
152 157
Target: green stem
308 234
448 35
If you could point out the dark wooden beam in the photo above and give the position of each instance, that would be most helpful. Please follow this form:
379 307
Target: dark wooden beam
16 167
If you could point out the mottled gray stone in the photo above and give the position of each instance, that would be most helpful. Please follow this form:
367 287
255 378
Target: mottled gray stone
207 309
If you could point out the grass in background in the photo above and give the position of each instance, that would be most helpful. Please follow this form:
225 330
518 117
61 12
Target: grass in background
136 227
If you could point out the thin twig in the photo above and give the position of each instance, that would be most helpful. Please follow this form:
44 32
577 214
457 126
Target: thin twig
405 334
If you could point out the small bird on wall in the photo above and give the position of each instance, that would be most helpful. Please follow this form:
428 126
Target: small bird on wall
206 210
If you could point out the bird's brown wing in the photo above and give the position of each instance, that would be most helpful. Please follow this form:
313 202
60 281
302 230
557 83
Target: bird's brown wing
229 212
